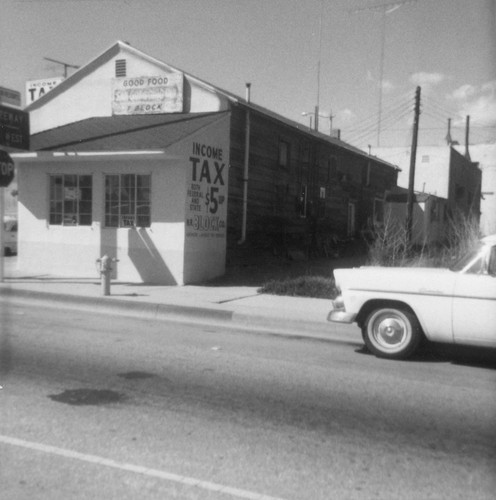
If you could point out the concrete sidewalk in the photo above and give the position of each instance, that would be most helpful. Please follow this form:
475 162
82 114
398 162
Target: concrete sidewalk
236 306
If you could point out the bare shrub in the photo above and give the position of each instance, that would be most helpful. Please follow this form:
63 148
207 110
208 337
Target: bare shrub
463 233
390 246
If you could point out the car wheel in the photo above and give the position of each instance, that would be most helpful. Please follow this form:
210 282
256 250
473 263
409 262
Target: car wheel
393 333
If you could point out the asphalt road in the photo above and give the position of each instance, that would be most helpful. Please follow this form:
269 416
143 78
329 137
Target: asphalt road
94 406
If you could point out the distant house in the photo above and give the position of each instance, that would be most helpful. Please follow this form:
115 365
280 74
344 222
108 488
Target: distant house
428 217
169 174
441 172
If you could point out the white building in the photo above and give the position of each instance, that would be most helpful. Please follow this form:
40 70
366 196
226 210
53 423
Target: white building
441 172
137 169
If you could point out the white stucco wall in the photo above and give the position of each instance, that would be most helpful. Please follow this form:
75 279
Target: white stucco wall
151 254
207 180
164 253
431 168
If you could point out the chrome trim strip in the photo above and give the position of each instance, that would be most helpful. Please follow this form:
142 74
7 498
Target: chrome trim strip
429 294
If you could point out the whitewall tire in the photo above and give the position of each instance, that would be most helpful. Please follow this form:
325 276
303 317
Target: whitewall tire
392 332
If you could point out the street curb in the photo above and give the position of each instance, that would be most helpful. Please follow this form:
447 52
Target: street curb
109 304
194 314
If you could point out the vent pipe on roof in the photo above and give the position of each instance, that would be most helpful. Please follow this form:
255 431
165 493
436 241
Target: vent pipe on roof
246 167
467 131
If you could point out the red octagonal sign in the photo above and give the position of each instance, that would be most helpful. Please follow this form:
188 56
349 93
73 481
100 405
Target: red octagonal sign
6 169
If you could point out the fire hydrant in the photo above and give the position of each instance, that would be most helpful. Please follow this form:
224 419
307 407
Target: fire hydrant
106 272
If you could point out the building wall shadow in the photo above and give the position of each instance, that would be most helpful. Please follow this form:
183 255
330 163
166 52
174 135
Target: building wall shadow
147 259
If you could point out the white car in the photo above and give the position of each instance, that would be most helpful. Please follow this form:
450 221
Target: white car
10 236
396 308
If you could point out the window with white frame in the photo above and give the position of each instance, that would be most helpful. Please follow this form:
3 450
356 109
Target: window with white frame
127 200
71 198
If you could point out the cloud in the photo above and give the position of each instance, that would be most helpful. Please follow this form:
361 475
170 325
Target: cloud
427 80
463 93
387 85
477 101
346 116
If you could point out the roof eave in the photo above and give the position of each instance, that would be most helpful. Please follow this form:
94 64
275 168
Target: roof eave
91 155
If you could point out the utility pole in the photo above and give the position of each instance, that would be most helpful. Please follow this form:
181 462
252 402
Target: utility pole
467 129
411 178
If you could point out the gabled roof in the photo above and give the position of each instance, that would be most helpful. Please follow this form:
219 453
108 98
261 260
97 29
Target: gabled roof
122 47
107 55
126 132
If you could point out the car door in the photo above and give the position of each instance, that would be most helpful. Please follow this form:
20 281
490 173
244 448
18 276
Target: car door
474 305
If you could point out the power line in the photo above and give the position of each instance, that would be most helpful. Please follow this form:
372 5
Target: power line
386 8
394 112
398 104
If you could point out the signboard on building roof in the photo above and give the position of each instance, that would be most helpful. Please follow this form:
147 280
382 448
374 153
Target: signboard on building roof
144 95
14 128
8 96
38 88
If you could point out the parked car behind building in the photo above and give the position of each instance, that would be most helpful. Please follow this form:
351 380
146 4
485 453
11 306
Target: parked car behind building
10 236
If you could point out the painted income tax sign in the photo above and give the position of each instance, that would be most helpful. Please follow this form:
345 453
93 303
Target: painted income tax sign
6 169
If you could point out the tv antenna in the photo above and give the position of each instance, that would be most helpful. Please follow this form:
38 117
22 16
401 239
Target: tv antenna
66 65
386 8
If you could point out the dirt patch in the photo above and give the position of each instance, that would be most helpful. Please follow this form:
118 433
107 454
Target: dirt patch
135 375
256 268
80 397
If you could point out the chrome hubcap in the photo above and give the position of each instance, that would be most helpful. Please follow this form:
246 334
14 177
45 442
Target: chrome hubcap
390 331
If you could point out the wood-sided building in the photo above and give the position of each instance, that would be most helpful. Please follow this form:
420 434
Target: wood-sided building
300 182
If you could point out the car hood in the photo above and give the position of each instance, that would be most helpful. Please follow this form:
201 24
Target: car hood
391 279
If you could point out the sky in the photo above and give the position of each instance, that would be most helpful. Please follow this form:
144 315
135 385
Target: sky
359 60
